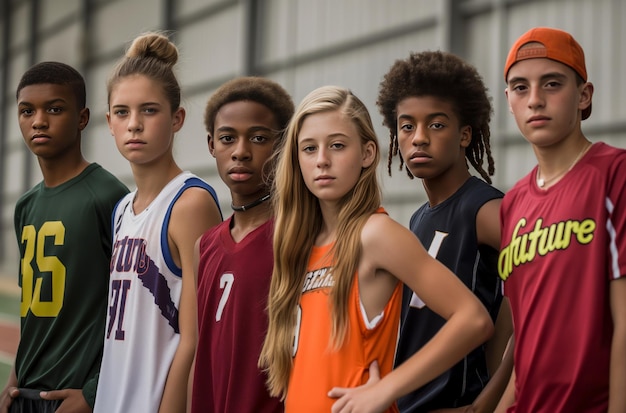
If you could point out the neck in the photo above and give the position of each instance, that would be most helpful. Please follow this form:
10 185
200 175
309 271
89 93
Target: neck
545 180
444 186
246 207
56 173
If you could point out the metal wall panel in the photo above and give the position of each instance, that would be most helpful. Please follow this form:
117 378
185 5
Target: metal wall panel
189 8
54 12
20 22
211 48
304 44
64 46
116 23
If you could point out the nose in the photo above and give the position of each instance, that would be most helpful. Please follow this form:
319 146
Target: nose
420 136
322 159
135 124
241 150
40 120
535 97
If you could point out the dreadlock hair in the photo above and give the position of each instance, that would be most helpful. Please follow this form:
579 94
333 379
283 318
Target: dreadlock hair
55 73
446 76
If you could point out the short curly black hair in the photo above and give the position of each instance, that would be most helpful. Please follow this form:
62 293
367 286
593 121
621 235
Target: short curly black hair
253 88
448 77
56 73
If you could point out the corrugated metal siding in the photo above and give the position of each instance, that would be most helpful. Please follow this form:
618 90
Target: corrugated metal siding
302 44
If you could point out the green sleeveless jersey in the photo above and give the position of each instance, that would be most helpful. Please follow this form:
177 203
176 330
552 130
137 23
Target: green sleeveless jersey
64 238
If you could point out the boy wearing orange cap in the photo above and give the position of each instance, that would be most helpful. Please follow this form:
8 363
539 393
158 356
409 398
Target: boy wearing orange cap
563 252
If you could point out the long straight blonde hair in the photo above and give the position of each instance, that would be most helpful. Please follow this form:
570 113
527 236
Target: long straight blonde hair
298 222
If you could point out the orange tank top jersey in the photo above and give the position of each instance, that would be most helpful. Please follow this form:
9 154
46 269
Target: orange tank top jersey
316 367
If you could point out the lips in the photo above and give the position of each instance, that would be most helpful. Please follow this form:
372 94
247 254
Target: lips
324 179
39 138
419 157
135 142
239 173
537 118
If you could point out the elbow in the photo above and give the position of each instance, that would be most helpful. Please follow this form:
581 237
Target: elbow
483 325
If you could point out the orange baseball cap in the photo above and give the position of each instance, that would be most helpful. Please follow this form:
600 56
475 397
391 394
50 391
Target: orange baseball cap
556 45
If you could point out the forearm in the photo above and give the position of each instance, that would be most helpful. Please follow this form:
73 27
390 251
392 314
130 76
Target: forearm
462 333
190 384
617 374
488 399
496 347
5 396
175 392
508 397
617 381
617 387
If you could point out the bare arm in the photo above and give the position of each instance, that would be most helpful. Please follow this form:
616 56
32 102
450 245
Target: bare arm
9 392
493 392
508 397
194 213
496 346
488 233
617 383
196 261
468 325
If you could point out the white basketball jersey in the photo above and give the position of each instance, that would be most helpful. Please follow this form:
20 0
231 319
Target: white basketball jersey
141 334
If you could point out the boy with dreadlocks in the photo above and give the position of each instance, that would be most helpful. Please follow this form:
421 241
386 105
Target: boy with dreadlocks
437 110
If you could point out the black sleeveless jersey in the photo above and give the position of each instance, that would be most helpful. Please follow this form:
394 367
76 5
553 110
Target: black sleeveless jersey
448 232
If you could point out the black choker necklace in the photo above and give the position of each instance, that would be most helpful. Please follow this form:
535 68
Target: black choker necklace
251 204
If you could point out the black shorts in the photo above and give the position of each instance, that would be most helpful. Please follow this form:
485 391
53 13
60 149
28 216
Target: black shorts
29 401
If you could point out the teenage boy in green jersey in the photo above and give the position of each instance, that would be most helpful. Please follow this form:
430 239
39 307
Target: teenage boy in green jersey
63 228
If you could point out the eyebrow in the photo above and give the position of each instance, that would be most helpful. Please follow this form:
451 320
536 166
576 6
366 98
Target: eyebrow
47 103
250 129
142 105
429 116
550 75
329 136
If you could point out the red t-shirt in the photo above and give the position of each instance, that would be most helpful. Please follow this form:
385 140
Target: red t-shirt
560 250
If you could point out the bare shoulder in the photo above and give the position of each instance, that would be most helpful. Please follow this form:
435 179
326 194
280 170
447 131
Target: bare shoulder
195 210
382 235
488 223
194 200
195 197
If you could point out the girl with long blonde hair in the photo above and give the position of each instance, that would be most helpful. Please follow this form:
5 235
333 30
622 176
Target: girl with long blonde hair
339 265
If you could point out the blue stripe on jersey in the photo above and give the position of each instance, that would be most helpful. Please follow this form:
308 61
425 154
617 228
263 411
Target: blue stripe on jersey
167 254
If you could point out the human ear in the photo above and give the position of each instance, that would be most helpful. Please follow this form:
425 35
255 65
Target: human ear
108 115
178 119
211 144
506 93
466 136
585 96
369 154
83 117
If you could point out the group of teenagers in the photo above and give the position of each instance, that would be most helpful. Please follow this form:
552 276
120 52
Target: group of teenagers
309 297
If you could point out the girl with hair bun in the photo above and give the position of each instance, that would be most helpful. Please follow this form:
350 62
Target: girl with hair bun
151 332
